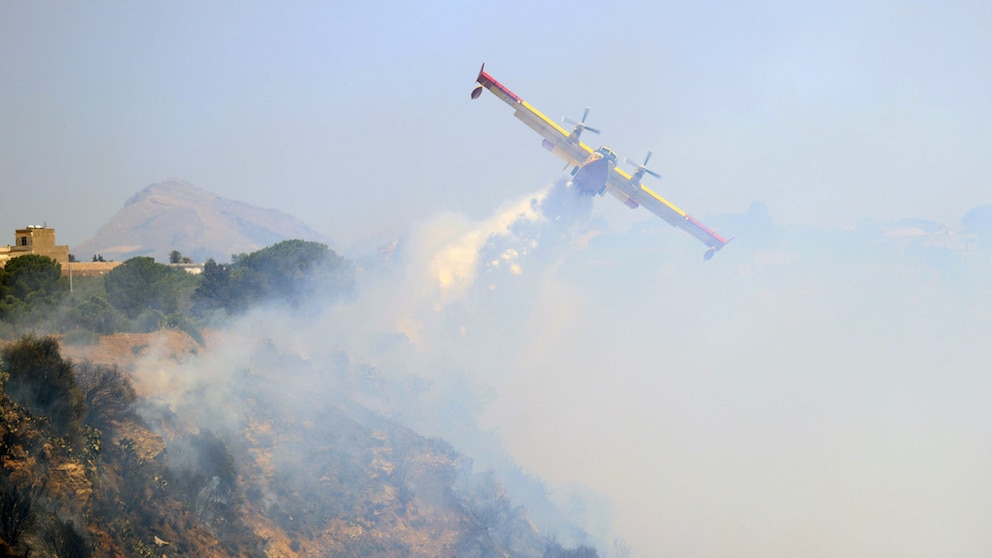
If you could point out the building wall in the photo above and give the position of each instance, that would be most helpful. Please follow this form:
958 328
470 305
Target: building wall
35 240
88 269
95 269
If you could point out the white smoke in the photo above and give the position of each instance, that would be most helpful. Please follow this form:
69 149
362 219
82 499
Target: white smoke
435 326
803 393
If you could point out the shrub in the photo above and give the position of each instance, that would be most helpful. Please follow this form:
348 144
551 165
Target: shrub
108 393
63 540
41 380
95 314
182 323
16 513
148 321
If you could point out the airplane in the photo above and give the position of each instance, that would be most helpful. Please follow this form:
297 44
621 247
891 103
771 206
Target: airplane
595 171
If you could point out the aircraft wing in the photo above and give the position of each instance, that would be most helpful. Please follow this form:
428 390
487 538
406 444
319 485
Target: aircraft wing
557 140
620 181
567 147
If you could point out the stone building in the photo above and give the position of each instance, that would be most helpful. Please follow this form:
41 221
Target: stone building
35 239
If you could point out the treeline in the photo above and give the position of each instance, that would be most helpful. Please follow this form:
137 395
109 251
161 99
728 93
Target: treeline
141 295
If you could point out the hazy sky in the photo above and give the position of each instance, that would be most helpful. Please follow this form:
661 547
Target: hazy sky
792 399
356 117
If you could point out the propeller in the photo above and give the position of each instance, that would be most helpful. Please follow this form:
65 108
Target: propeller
642 168
580 126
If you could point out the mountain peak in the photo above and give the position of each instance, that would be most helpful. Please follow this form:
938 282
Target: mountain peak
176 215
171 190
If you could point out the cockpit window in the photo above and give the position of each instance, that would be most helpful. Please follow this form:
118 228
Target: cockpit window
608 153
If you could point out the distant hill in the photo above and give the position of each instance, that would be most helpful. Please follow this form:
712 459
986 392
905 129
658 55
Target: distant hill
176 215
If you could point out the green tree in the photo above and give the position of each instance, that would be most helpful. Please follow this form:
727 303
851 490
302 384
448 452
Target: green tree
28 282
212 291
31 276
94 314
177 257
140 284
292 271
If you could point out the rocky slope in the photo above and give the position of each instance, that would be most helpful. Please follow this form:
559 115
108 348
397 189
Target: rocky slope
143 475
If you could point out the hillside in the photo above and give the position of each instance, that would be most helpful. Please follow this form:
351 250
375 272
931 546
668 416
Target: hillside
138 474
176 215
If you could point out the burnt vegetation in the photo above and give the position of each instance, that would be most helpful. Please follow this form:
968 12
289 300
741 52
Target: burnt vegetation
17 513
107 393
204 477
351 481
90 468
79 477
62 538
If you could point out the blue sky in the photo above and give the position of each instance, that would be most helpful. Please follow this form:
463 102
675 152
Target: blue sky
356 117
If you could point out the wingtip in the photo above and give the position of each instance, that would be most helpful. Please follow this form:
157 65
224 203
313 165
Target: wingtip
708 255
478 89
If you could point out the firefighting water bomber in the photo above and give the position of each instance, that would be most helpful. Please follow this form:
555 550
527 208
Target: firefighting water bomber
595 171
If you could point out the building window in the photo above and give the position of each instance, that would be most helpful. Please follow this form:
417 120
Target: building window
24 241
